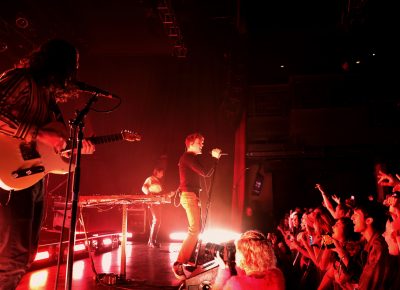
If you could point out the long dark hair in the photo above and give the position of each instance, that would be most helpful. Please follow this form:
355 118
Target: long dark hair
54 63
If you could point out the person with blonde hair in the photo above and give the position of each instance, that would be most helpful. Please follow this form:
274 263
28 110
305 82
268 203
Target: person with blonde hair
255 266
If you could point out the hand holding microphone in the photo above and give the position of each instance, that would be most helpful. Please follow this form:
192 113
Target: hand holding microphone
216 153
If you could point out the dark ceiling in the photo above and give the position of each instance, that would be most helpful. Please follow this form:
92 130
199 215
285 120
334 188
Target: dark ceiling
100 27
304 36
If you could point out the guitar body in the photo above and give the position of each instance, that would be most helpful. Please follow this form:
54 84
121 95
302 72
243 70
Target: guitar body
12 160
23 164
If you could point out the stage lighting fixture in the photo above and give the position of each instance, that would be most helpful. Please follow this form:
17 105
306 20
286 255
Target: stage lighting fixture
79 247
168 18
162 5
173 31
107 242
21 22
38 280
42 256
180 52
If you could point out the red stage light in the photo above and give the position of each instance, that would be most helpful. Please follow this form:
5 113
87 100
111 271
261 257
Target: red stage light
79 247
42 256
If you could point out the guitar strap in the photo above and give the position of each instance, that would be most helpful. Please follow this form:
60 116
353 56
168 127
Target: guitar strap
56 111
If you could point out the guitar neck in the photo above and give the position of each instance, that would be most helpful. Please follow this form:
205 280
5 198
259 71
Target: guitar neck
124 135
106 138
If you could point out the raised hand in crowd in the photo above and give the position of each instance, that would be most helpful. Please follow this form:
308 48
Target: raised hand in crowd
394 206
272 237
303 242
288 238
336 199
319 187
326 202
385 179
302 237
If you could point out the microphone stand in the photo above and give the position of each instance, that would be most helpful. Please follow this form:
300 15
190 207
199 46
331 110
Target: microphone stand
206 214
77 123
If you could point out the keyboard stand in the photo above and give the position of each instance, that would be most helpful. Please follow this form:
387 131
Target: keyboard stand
112 279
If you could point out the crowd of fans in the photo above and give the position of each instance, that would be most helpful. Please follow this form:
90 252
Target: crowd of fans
350 243
343 244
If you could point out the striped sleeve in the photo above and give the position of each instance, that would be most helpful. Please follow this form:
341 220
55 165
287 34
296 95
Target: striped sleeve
15 104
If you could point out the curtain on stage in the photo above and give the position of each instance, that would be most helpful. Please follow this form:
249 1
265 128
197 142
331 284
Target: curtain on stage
239 171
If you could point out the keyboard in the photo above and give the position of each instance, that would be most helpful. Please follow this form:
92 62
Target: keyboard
99 199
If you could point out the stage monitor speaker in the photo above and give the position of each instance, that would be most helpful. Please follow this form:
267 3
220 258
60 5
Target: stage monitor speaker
202 278
137 220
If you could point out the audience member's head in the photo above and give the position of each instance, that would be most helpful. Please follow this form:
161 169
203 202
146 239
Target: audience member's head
303 224
342 210
158 172
369 215
254 253
294 221
322 224
343 230
284 223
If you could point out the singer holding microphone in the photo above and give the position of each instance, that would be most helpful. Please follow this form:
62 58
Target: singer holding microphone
190 171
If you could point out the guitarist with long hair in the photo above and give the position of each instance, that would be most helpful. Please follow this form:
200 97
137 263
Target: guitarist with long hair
29 113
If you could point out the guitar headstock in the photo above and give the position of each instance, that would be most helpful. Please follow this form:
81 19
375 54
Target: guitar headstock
130 136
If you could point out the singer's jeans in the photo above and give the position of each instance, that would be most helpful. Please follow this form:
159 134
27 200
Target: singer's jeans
191 203
20 222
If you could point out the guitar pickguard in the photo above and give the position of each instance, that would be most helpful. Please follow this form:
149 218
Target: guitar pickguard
28 151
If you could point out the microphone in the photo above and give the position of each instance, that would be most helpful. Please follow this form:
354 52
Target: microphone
86 88
222 154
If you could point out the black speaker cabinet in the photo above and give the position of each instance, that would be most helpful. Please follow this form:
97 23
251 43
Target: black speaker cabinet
137 219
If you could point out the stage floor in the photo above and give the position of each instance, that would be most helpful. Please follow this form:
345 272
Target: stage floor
148 268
